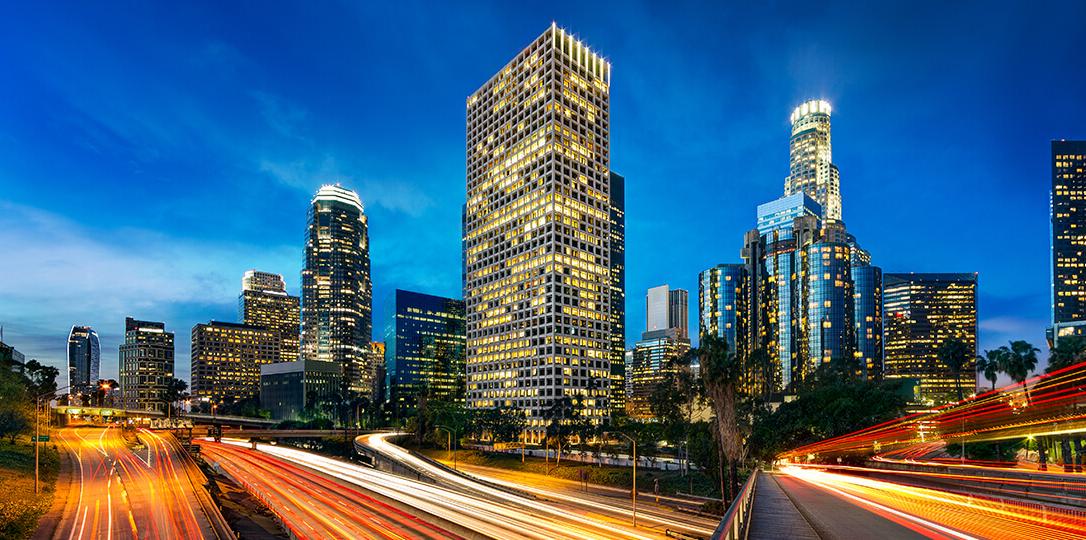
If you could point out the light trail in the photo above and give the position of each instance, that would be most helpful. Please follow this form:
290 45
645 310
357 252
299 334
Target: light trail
313 506
956 515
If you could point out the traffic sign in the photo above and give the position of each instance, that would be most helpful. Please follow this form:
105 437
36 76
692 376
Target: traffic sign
39 438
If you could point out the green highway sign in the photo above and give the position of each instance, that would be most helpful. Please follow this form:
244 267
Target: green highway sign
40 438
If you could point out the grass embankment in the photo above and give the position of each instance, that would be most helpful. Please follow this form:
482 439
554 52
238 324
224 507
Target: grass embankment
671 482
20 507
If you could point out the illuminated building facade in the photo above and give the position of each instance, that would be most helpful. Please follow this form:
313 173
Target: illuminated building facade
667 308
665 339
226 360
811 168
721 311
921 312
336 288
867 288
618 292
84 360
1068 235
537 232
830 305
428 355
264 302
146 365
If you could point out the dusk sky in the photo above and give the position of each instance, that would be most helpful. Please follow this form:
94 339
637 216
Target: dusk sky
151 153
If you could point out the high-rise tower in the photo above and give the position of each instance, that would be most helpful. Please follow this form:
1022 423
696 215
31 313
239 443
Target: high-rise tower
146 365
618 291
811 168
336 287
1068 234
84 359
264 302
537 232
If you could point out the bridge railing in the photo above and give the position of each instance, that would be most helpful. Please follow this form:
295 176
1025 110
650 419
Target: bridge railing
736 520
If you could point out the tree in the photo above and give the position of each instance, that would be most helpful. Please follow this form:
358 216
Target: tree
988 364
721 373
102 388
1068 351
1019 361
41 379
502 424
955 355
562 421
176 391
15 409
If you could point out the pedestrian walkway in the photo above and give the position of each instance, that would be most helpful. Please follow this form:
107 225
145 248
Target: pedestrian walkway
774 516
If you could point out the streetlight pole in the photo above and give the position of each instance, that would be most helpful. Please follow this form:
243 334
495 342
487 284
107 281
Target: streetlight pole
451 433
37 435
633 495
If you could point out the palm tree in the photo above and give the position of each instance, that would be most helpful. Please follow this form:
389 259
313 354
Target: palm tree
955 354
1068 351
1019 361
722 373
988 364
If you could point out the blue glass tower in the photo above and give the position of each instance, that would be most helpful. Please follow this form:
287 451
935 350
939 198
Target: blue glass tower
720 296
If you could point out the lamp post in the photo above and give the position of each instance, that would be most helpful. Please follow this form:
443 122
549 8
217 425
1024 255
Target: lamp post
37 435
633 492
452 434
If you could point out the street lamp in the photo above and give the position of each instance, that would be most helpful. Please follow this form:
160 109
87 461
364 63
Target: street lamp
633 494
451 433
37 436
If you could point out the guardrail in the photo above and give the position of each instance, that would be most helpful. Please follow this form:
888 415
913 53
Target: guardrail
736 520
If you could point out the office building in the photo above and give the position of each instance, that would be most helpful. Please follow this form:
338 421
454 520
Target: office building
146 365
429 351
811 168
300 390
664 341
830 314
226 360
264 302
537 232
10 358
84 360
667 308
1068 236
921 312
720 304
867 289
618 292
336 288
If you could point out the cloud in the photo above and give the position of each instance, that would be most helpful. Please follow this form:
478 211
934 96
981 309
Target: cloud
393 195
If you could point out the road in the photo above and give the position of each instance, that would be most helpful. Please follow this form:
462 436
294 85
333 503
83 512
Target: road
312 505
612 502
849 506
121 493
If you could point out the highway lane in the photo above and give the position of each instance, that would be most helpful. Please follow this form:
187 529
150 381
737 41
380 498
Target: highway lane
127 494
891 510
485 514
314 506
613 502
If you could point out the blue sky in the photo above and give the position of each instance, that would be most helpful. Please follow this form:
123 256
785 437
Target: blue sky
150 154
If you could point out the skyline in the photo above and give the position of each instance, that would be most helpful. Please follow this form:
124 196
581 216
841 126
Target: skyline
38 224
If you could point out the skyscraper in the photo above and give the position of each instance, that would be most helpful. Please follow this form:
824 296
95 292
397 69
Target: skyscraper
923 311
811 168
84 360
618 291
264 302
667 308
721 292
336 287
664 340
867 290
226 360
537 232
1068 234
146 365
428 355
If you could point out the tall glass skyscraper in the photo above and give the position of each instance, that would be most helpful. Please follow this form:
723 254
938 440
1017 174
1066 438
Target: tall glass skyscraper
923 311
336 287
618 291
867 288
428 352
811 168
146 365
721 292
84 360
264 302
1068 234
537 232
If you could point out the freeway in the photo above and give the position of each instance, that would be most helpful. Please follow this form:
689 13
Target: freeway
316 506
849 506
125 493
483 511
